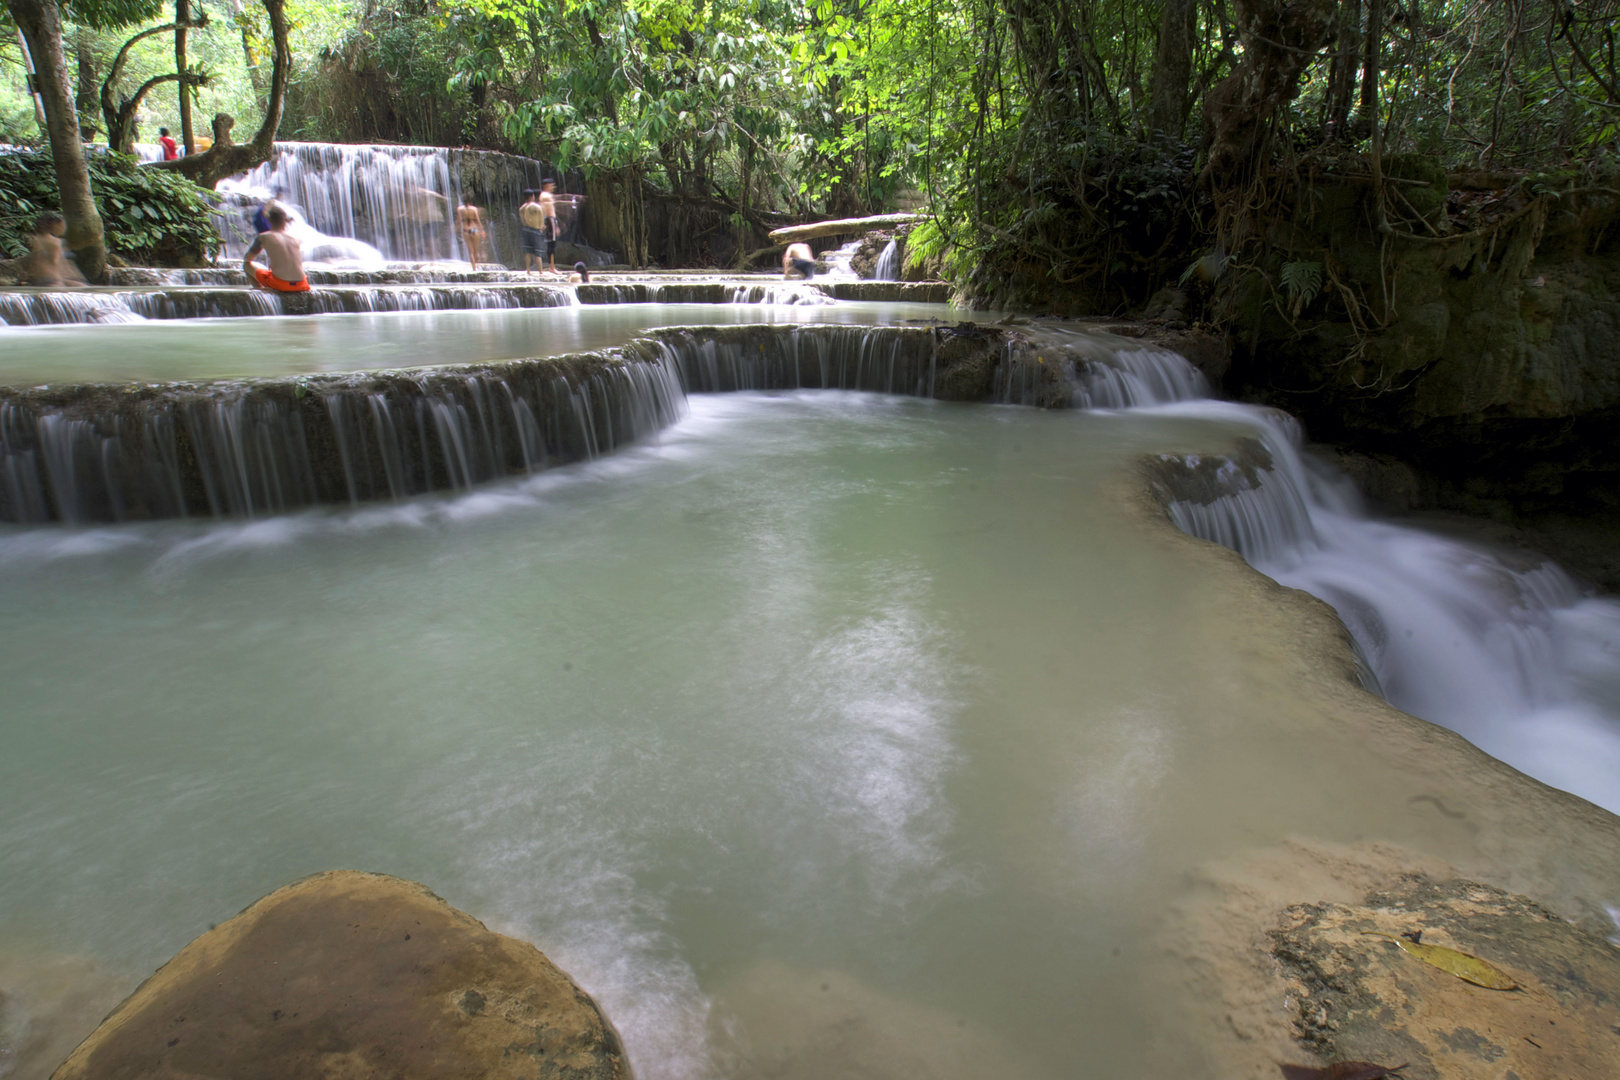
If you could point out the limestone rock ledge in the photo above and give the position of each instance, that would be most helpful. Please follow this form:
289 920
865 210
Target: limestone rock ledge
1354 996
347 974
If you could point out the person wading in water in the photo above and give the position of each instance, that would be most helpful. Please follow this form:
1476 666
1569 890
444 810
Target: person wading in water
285 253
533 219
548 213
798 259
470 222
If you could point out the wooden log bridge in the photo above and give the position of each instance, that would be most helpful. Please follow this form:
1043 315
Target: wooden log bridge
792 234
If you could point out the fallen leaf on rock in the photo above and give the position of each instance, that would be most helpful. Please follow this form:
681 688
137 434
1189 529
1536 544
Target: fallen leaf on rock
1467 968
1340 1070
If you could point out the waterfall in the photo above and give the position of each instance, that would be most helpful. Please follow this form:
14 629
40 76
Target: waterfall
887 267
804 293
838 262
888 360
1509 651
247 449
395 202
43 309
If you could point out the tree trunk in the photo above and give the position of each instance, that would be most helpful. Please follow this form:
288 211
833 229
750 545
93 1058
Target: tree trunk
41 24
120 119
182 17
84 98
1172 69
250 53
1369 69
792 234
226 158
1280 40
1342 73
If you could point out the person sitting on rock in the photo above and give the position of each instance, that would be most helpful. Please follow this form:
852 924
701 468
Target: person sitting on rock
799 259
285 253
581 274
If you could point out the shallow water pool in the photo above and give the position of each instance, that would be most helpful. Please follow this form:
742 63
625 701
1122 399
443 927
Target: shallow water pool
824 733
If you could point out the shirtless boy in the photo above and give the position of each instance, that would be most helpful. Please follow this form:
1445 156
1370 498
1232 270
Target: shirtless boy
534 220
548 213
46 263
470 222
798 259
285 253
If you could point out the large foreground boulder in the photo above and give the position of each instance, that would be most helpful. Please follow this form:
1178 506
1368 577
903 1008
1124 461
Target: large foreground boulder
349 975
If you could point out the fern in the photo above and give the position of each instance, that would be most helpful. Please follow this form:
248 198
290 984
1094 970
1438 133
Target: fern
1301 281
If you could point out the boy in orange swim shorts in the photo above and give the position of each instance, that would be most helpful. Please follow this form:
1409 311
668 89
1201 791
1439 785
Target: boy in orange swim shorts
285 254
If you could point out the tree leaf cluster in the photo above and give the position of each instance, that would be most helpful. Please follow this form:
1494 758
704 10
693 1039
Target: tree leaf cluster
151 217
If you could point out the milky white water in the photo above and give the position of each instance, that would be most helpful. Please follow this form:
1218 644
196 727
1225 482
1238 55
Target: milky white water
823 733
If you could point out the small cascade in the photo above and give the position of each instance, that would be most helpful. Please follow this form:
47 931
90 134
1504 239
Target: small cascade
1091 372
887 360
55 308
204 303
887 267
839 261
1508 651
800 293
351 300
258 448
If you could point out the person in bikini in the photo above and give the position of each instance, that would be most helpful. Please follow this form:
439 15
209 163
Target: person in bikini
534 221
798 259
470 222
285 254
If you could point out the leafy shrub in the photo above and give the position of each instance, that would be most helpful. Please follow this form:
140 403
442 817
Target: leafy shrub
151 216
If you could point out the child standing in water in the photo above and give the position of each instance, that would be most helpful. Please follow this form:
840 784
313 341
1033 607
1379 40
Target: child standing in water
285 255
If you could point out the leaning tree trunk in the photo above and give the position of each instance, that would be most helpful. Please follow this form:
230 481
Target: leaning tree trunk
41 24
226 158
1172 69
1280 40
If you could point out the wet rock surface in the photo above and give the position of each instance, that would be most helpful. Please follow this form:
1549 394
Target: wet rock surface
348 974
1356 996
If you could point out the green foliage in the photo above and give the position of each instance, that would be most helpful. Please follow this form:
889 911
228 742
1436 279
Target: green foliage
151 216
1301 281
112 14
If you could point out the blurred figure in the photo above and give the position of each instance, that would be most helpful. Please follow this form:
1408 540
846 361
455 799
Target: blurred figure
424 213
284 253
533 220
470 223
549 230
798 258
47 257
581 274
171 151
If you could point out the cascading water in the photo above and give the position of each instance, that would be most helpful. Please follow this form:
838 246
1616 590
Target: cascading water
363 203
838 262
1515 657
887 267
1511 653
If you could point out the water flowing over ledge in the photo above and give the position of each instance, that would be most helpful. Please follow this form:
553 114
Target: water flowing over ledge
1506 649
354 292
245 448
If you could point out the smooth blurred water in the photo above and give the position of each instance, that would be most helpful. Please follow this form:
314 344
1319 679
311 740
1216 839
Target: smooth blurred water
825 733
178 349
